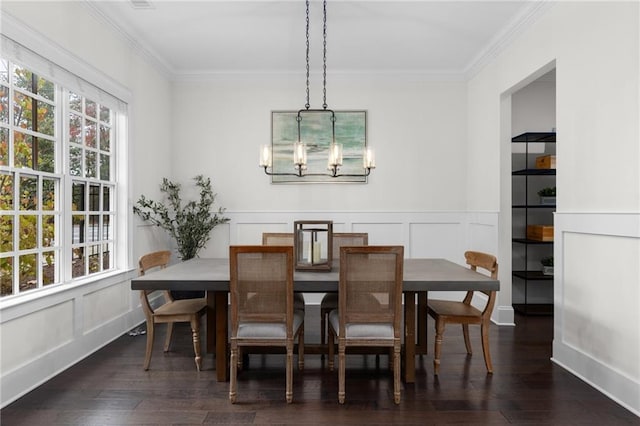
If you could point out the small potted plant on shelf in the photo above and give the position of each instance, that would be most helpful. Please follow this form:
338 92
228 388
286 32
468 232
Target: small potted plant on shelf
548 195
547 265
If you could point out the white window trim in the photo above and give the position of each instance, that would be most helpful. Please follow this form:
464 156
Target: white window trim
23 44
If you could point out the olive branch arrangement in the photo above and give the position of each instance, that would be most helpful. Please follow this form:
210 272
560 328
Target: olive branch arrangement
189 224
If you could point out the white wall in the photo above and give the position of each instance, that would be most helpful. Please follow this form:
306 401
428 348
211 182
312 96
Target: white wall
534 107
40 337
597 79
417 129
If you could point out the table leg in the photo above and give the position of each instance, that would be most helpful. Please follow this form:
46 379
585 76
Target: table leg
421 348
211 322
410 337
222 363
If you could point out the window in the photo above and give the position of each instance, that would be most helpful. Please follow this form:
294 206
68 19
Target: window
58 184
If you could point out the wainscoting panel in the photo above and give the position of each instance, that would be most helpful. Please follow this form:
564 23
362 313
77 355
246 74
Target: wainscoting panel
597 301
102 306
59 321
43 336
424 234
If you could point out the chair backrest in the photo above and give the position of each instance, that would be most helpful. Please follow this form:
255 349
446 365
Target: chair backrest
343 239
370 288
489 263
157 259
261 286
277 238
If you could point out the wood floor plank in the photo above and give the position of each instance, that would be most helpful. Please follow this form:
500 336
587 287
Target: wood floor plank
111 388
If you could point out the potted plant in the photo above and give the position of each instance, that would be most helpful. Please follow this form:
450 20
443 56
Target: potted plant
189 224
547 265
548 195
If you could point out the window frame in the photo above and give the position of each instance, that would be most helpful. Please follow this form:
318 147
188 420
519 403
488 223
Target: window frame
63 181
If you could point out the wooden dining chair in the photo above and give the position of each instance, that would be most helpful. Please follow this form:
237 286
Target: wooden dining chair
171 312
262 311
452 312
283 239
329 301
369 306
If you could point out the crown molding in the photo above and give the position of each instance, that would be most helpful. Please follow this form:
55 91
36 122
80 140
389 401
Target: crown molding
341 75
130 38
24 35
498 44
518 25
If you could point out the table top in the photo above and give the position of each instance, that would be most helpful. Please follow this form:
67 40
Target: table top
213 275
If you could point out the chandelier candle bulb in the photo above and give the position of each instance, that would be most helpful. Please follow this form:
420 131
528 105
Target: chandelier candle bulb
335 155
265 156
369 159
300 154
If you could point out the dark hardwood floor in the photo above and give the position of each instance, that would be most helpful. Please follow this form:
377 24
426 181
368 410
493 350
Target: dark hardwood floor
111 388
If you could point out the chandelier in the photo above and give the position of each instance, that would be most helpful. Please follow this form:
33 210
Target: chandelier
300 147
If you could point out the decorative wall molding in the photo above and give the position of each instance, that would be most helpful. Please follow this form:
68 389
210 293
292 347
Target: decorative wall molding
580 343
424 234
440 234
19 378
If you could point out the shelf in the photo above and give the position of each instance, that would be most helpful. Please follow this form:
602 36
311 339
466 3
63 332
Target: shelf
534 308
535 137
528 241
534 172
532 275
527 251
534 206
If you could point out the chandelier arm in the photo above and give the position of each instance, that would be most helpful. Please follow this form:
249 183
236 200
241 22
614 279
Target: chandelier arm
337 175
299 174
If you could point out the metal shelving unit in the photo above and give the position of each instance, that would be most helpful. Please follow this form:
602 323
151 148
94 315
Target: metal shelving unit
527 252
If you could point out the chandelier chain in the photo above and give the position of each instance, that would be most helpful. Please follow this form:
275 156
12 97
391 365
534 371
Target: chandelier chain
307 105
324 56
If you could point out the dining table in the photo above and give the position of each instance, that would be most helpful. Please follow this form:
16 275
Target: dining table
420 275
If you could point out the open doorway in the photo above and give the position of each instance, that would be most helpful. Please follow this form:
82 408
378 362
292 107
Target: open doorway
533 194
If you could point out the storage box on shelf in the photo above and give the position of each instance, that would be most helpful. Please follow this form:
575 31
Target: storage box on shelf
540 232
546 162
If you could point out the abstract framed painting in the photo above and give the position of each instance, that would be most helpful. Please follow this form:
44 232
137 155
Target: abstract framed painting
316 132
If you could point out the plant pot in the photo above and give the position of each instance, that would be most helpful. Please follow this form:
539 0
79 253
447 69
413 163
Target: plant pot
547 270
548 201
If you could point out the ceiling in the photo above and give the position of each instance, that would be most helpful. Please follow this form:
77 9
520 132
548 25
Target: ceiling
268 36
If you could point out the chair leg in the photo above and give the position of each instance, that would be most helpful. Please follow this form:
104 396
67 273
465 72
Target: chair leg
341 370
331 344
167 340
150 334
233 373
301 348
484 331
289 372
438 346
195 331
467 341
396 372
324 318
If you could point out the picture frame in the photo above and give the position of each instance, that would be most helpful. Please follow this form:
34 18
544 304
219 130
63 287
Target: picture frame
315 131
